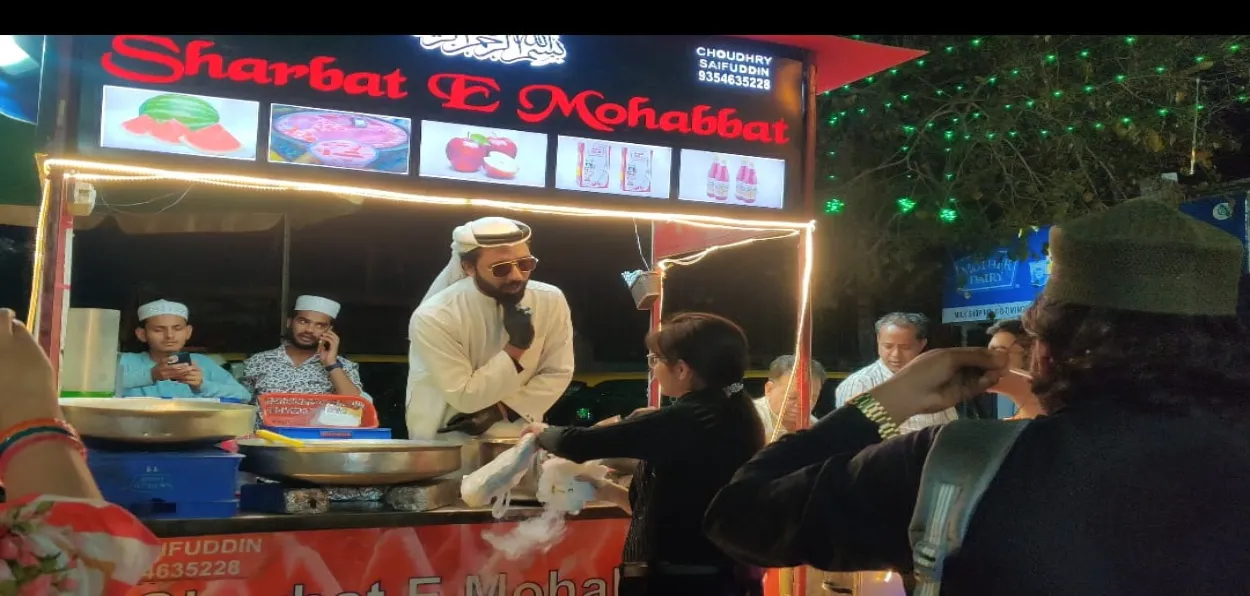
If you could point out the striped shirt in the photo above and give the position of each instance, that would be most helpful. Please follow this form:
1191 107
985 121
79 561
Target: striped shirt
865 379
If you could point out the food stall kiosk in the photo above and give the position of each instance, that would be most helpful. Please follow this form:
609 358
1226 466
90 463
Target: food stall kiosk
705 133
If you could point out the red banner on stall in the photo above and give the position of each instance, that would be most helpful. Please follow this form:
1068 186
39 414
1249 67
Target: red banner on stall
669 239
407 561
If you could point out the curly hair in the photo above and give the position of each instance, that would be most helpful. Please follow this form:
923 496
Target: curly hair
1164 361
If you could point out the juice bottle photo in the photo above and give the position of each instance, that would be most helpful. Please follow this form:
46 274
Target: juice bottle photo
722 179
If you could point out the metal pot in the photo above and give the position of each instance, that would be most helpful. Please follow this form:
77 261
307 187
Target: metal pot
350 462
158 421
527 489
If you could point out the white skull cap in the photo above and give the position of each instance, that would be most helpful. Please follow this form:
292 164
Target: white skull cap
157 308
324 306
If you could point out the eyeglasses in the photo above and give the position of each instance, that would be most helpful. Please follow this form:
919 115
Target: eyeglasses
523 264
652 360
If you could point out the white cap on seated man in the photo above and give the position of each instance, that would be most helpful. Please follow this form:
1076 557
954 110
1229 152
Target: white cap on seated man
490 349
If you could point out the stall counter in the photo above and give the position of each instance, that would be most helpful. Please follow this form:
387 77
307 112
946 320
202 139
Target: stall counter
351 552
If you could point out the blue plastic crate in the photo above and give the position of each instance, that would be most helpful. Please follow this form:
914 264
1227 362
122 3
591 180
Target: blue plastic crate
330 432
139 477
187 510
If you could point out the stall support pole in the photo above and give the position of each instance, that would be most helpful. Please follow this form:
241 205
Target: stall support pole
653 392
804 358
285 306
54 274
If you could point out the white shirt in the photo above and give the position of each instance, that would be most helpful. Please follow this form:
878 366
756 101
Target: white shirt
865 379
456 361
766 416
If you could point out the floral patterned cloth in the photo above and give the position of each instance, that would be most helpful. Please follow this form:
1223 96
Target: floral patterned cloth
61 545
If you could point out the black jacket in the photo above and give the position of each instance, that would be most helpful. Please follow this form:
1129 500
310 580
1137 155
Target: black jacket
1100 500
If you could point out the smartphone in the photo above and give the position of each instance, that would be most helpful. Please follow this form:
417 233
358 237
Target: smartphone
180 358
325 344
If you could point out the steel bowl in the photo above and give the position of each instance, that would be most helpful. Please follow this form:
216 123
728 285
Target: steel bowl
350 462
158 421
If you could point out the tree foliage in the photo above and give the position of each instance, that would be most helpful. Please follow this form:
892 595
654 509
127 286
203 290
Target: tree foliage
983 138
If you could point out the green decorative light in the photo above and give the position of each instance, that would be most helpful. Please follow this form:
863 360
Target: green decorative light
583 413
1163 111
1234 47
1083 53
1088 88
834 206
1130 40
1051 58
948 215
976 43
1160 69
905 205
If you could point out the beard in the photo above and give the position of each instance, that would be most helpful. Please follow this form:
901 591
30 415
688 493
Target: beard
510 294
290 337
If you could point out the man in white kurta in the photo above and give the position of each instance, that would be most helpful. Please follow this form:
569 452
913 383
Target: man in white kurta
486 342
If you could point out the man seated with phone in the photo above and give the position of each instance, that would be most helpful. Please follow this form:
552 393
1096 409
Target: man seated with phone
308 360
167 371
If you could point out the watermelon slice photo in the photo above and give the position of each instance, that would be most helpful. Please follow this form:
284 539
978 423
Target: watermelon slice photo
212 139
178 123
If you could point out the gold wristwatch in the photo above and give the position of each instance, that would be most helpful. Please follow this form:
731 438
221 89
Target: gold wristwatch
873 410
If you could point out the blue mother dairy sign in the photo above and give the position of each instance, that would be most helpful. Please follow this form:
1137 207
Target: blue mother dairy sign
996 285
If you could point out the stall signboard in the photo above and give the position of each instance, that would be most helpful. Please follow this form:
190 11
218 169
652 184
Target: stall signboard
711 125
1226 212
998 285
451 560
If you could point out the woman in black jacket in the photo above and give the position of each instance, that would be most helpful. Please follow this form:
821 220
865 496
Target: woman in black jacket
688 451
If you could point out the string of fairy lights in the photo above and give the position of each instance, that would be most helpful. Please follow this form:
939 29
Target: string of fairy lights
996 106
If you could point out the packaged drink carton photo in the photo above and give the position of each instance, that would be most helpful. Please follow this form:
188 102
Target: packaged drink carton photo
593 164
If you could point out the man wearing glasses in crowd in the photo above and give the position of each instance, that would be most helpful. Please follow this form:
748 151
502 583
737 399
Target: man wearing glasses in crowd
490 349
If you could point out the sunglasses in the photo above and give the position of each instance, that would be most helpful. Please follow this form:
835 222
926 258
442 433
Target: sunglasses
523 264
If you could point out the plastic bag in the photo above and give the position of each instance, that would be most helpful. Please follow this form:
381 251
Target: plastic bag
560 490
561 493
493 482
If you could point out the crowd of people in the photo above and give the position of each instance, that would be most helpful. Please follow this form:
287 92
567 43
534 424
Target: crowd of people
1121 473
